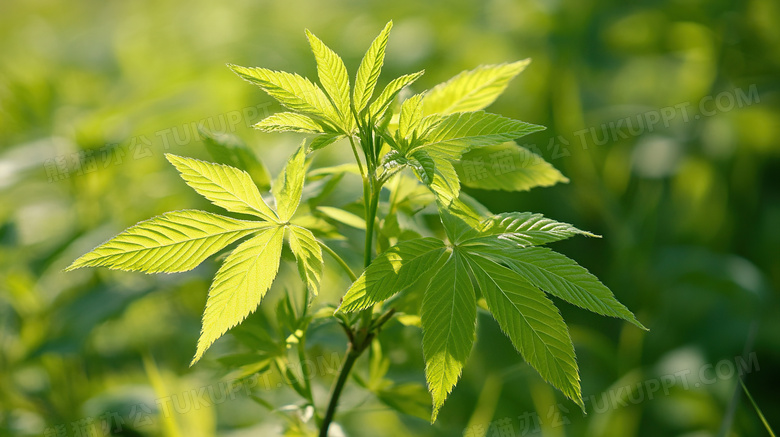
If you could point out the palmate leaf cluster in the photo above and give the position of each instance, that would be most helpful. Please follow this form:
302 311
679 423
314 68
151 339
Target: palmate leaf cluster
498 261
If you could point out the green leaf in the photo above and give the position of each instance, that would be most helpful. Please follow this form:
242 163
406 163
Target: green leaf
288 186
459 220
224 186
472 90
410 116
380 105
455 134
449 315
333 77
344 217
173 242
424 166
289 122
322 141
445 183
291 90
369 69
228 149
308 255
395 270
506 167
524 229
240 285
531 322
563 278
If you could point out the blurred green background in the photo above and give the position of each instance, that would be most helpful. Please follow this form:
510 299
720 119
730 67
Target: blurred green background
93 93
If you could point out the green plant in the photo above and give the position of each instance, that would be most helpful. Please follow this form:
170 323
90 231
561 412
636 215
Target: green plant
436 276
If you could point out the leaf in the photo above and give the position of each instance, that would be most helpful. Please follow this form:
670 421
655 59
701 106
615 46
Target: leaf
565 279
449 316
240 285
455 134
459 220
446 183
410 116
531 322
224 186
395 270
173 242
228 149
506 167
344 217
322 141
380 105
369 69
291 90
308 255
524 229
424 166
472 90
289 122
333 77
288 186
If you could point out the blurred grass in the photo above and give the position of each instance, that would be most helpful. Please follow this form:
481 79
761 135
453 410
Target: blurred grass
689 210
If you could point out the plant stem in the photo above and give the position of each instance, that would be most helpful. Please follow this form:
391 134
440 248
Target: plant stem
339 260
360 339
352 356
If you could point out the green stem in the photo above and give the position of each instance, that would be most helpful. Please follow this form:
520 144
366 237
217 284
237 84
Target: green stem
360 339
352 356
339 260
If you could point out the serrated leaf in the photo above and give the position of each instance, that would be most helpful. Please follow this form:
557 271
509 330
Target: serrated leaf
445 183
230 150
531 322
176 241
369 69
288 187
424 166
240 285
472 90
308 255
395 270
524 229
344 217
459 220
457 133
289 122
379 106
410 115
564 278
449 315
506 167
291 90
333 77
225 186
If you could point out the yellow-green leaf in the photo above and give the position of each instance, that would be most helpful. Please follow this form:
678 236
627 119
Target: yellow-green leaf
472 90
291 90
176 241
369 69
308 255
449 316
225 186
289 122
240 285
506 167
333 77
288 186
